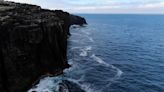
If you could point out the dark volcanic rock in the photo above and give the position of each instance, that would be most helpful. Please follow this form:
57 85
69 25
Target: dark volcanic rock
33 42
77 20
70 20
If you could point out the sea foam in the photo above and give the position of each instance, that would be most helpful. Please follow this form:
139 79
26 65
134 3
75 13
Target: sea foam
99 60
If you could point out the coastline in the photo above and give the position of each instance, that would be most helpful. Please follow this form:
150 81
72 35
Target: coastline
33 43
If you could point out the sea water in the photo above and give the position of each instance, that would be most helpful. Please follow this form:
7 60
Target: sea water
113 53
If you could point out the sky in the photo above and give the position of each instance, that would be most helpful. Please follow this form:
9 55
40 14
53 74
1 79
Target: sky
102 6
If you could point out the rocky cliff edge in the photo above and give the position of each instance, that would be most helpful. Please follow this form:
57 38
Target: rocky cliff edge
33 42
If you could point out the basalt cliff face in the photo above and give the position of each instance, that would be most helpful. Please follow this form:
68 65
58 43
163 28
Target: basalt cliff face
33 42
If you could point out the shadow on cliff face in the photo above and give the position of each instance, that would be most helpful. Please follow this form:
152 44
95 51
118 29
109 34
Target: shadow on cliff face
33 42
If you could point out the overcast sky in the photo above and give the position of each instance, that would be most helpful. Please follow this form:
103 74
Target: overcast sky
102 6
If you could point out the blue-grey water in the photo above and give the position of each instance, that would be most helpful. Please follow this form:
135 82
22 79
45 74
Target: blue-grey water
114 53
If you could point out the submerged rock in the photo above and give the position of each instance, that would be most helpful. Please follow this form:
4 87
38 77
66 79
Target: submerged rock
33 42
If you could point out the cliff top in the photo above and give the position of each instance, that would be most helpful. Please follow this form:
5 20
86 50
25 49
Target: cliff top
30 14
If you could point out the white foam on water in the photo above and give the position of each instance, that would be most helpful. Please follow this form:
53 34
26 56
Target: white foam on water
89 38
99 60
88 48
45 85
86 32
74 26
77 34
75 48
84 51
72 68
119 72
85 87
84 36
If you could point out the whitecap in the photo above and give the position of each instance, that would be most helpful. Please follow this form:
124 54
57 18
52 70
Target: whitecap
83 53
119 72
99 60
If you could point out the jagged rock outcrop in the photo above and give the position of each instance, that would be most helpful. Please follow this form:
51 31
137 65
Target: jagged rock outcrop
33 42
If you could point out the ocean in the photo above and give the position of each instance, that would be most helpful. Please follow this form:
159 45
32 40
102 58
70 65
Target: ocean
113 53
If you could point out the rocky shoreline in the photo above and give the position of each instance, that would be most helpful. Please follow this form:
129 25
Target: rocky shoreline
33 43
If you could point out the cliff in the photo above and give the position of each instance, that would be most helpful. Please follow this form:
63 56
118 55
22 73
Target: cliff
33 42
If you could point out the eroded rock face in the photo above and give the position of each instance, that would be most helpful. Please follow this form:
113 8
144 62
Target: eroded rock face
68 86
33 42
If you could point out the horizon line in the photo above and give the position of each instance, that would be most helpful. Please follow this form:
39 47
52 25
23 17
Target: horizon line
123 13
